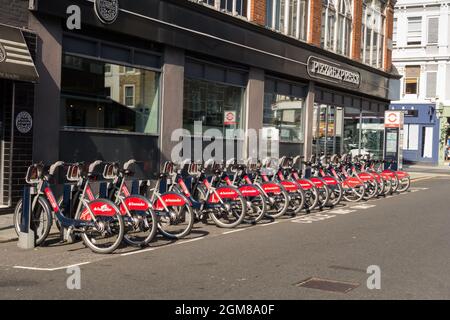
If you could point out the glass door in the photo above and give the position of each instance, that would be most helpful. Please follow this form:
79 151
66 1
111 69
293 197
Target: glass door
327 130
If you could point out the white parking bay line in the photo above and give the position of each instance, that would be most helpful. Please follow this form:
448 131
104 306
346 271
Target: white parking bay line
363 206
268 224
137 252
233 231
341 211
51 269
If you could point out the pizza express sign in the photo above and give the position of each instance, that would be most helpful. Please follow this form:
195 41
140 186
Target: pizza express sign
330 71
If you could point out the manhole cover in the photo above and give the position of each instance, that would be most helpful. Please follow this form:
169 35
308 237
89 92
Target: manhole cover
328 285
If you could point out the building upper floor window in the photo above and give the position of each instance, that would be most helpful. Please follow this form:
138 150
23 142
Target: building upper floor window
433 30
412 77
234 7
288 16
372 33
414 31
394 32
337 25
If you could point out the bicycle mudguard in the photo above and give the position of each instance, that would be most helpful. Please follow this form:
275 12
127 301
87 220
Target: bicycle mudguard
364 176
388 173
249 190
402 174
224 193
135 203
305 184
352 182
171 199
271 188
99 208
289 186
330 181
377 176
319 183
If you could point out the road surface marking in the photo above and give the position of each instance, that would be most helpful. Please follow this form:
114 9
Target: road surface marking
52 269
269 224
342 211
233 231
363 206
139 251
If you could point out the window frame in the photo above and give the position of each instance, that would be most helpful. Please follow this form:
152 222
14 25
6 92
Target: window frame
414 43
338 35
125 97
274 21
378 29
158 71
428 31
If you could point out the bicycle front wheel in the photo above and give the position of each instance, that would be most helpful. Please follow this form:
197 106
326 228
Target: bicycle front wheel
41 219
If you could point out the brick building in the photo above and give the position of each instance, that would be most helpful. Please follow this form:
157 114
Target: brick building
315 72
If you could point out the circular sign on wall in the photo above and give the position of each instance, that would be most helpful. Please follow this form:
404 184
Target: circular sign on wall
107 10
2 53
24 122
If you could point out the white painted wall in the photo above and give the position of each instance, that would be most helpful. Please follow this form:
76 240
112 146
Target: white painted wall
424 55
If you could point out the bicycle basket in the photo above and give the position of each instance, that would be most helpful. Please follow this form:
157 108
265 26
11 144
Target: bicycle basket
34 174
73 173
168 167
193 168
110 171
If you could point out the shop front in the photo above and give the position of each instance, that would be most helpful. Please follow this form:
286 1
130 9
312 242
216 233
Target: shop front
17 75
122 88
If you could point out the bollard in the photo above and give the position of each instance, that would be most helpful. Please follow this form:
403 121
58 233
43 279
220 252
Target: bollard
65 235
135 186
27 238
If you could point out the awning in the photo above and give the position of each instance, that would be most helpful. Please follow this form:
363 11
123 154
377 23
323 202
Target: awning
16 62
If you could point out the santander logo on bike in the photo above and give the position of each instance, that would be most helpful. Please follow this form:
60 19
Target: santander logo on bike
103 208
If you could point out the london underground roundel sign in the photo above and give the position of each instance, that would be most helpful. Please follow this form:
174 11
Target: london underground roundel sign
393 119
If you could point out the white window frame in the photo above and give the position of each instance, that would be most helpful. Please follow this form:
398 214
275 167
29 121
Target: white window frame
379 28
427 32
413 43
286 27
125 87
335 7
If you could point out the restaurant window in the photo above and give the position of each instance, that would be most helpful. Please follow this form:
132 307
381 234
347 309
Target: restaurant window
288 16
372 33
336 25
284 110
209 103
99 95
412 76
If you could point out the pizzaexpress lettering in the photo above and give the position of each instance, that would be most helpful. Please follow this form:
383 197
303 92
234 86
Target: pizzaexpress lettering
327 70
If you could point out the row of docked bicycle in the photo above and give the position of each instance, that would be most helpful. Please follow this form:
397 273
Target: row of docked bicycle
228 193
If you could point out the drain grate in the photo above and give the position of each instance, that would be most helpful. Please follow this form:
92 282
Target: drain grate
328 285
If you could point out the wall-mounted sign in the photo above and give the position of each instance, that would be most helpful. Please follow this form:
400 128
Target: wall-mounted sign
229 118
393 119
333 72
107 10
24 122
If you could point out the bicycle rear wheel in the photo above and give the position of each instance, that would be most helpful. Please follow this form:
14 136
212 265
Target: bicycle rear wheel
177 222
231 213
256 209
108 231
278 204
140 228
